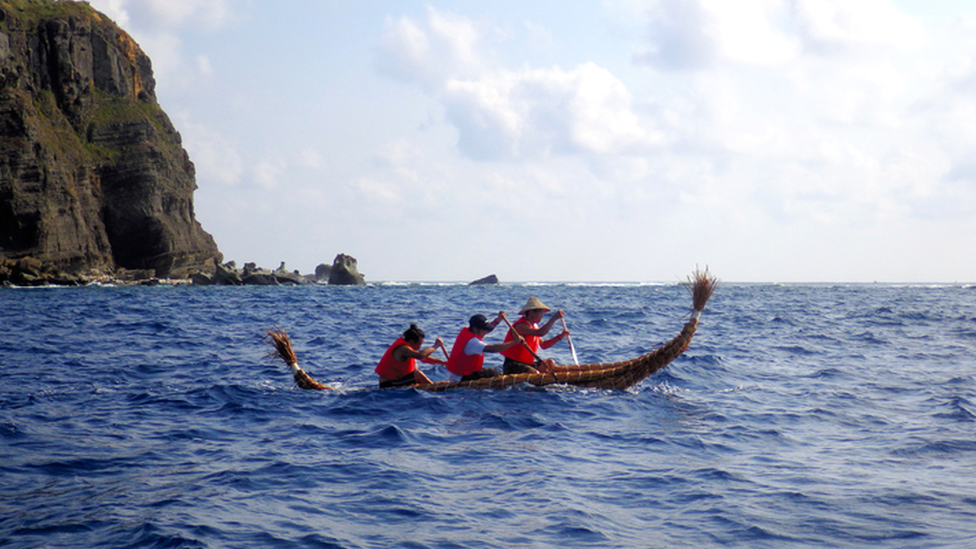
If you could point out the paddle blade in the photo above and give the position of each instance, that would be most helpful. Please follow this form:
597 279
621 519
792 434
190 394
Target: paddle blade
572 348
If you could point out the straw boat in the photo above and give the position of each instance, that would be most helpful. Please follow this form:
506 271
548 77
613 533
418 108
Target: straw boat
611 375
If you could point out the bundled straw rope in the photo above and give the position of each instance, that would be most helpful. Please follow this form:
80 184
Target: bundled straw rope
284 351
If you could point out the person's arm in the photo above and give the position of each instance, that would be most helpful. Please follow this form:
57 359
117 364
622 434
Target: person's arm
541 331
558 315
403 352
501 316
499 347
555 340
474 347
432 360
552 320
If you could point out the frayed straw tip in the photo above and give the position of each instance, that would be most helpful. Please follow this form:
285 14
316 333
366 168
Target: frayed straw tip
702 284
282 346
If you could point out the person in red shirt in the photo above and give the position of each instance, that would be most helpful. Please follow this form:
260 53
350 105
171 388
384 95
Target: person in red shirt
398 366
468 353
518 359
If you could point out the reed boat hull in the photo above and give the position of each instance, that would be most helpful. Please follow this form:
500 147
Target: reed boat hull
611 375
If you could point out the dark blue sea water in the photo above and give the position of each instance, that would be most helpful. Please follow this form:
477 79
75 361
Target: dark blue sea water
802 416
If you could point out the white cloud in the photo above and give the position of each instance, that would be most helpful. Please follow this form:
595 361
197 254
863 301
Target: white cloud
538 36
682 37
157 25
208 14
535 112
155 16
267 173
696 34
203 65
379 191
115 9
513 114
773 139
830 26
168 62
215 156
748 31
310 158
834 139
445 46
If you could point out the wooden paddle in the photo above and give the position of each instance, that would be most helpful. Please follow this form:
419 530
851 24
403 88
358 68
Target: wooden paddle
444 348
524 344
570 341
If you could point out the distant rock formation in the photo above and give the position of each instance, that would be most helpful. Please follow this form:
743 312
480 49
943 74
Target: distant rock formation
93 175
490 279
322 273
28 271
344 271
284 276
229 275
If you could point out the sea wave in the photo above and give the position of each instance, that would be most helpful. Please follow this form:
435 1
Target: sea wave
824 415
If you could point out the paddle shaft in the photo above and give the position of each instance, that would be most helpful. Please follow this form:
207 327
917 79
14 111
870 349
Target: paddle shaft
569 340
526 345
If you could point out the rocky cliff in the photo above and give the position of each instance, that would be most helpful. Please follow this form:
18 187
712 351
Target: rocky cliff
93 175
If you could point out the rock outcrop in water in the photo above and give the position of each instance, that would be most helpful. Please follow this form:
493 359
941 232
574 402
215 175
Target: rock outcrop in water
342 272
490 279
322 272
345 271
229 275
93 175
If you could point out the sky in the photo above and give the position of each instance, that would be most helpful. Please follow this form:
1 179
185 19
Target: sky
614 141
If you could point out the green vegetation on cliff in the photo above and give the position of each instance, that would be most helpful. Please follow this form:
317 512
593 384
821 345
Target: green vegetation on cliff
32 12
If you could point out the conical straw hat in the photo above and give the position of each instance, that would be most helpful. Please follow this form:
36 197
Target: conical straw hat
533 303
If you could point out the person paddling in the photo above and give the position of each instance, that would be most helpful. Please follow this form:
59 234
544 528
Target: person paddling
522 360
466 361
398 366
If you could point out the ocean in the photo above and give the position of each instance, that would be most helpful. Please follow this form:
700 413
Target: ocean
819 415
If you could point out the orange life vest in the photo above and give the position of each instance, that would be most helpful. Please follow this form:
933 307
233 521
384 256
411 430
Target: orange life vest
519 352
459 363
392 369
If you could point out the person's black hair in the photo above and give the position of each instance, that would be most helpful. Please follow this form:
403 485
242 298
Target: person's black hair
413 333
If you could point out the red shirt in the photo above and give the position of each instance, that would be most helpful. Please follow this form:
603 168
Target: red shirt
459 363
391 368
519 352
